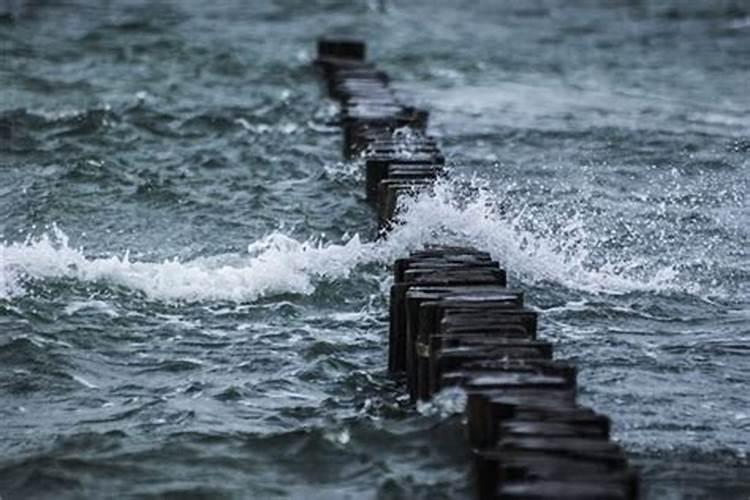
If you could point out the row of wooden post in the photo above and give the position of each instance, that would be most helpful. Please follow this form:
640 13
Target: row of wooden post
454 322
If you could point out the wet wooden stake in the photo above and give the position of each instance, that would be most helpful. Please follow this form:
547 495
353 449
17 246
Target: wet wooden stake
454 322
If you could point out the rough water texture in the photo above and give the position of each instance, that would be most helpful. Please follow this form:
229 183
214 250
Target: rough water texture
192 294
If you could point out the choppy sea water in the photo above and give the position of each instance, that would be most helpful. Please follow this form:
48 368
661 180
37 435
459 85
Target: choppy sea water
192 294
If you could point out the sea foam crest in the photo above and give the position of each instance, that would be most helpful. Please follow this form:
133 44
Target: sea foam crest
279 264
560 254
273 265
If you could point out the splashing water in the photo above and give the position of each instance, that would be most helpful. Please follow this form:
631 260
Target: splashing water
279 264
275 264
536 254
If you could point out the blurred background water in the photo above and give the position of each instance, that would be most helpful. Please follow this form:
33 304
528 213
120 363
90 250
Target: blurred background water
192 297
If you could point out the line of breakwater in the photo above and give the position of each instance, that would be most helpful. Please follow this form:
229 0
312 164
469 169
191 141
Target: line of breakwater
454 322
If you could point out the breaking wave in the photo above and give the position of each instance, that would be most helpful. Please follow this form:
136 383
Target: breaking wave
277 263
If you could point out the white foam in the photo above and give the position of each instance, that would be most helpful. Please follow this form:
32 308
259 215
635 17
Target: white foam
540 254
98 306
275 264
9 286
449 401
279 264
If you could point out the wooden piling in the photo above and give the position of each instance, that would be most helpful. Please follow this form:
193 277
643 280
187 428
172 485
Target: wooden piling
454 322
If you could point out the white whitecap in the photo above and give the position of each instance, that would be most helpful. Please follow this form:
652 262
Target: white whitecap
279 264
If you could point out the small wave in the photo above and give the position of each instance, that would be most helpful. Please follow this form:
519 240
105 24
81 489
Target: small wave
561 253
275 264
20 128
89 307
559 249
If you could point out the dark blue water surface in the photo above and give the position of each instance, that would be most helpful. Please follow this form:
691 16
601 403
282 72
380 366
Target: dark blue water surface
192 297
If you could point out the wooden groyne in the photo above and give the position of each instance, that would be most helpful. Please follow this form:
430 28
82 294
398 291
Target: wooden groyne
454 322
